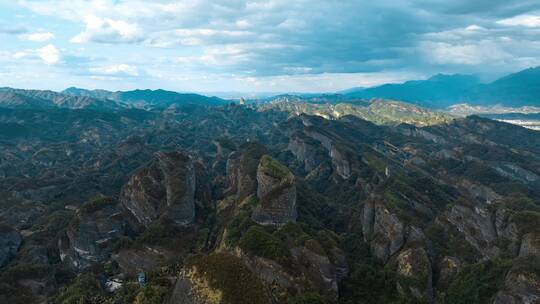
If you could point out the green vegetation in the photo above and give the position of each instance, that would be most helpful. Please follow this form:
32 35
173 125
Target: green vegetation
227 273
241 222
54 222
96 205
251 154
450 243
88 289
375 162
527 221
381 112
368 281
15 294
520 203
276 170
13 130
261 243
85 289
308 298
123 242
164 233
152 294
25 271
477 283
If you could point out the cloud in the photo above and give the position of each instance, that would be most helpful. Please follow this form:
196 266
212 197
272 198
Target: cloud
463 54
49 54
108 31
116 69
38 37
522 20
276 39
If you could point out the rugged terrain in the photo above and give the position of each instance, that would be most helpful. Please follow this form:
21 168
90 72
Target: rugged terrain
245 204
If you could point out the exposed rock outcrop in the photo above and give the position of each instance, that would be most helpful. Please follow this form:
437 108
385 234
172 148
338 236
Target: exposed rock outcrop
91 233
530 245
415 266
320 270
242 169
10 241
521 286
477 224
384 231
166 187
276 192
338 155
449 268
306 150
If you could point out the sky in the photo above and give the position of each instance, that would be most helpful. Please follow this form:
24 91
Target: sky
260 46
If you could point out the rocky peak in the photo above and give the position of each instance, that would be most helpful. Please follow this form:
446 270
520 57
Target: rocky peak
166 187
242 169
91 232
276 192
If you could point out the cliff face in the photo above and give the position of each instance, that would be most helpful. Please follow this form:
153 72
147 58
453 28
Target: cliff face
91 233
241 169
338 155
166 187
276 192
307 150
384 231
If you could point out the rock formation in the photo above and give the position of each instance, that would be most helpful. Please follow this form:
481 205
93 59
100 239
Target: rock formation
242 169
92 231
166 187
415 266
276 192
383 230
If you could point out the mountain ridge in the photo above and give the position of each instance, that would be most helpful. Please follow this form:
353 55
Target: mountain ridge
441 91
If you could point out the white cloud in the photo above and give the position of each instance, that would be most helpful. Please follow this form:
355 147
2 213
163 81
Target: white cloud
464 54
272 38
38 37
108 30
116 69
49 54
20 55
521 20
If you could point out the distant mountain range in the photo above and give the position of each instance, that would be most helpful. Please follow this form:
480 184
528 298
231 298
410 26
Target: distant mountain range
438 92
442 91
43 99
75 98
160 98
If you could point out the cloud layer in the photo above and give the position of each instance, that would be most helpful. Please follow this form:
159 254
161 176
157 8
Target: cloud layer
155 42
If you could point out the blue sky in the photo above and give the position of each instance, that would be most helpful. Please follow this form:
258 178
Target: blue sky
260 46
